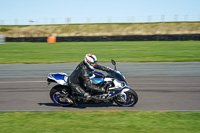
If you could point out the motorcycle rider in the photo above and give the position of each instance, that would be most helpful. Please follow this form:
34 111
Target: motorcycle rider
80 76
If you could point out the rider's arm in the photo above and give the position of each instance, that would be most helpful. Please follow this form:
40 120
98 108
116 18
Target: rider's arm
97 66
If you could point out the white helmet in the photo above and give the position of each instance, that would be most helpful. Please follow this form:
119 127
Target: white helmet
90 58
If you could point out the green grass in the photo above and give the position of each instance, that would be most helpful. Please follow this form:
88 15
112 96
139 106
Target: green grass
146 51
100 122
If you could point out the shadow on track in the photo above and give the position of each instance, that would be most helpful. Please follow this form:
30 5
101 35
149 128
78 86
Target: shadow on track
81 106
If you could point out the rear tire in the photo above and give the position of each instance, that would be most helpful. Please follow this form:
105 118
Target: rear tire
131 99
58 97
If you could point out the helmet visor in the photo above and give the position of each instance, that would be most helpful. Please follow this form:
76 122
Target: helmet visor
93 63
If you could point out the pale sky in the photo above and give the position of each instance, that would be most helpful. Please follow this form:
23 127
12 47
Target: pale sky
97 11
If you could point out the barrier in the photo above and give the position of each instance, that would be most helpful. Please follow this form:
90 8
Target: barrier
186 37
195 37
26 39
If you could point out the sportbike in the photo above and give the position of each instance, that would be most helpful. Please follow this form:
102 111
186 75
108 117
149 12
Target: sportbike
115 84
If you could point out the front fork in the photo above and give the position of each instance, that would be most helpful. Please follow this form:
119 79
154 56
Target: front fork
122 95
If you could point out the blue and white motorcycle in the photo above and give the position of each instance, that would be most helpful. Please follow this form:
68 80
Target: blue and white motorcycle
115 84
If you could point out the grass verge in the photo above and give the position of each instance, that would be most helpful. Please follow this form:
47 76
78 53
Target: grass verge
64 52
99 121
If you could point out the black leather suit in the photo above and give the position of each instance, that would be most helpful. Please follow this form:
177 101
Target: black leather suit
80 78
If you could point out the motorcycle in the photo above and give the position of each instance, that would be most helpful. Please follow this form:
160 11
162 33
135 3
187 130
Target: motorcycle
115 84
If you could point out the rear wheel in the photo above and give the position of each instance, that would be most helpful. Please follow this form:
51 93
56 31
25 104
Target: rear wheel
59 95
129 98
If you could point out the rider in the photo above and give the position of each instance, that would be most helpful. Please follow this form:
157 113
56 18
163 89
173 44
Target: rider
80 76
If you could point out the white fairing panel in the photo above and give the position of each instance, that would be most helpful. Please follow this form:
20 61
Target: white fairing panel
60 78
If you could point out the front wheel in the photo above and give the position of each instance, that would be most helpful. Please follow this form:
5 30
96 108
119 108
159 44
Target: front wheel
59 95
129 98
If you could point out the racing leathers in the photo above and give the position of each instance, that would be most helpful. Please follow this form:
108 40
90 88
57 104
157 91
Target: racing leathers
80 78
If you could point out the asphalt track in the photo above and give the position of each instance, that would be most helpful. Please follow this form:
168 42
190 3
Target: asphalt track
160 87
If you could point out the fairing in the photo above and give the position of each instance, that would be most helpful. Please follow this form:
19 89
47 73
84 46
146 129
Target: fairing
60 78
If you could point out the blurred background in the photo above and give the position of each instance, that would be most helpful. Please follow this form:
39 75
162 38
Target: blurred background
101 18
106 19
110 26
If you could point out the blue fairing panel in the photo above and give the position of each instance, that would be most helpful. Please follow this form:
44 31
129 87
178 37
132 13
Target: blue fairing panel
59 76
127 87
97 80
99 74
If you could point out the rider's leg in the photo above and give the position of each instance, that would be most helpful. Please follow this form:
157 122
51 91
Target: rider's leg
81 92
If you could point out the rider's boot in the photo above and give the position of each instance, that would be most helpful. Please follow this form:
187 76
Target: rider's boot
87 97
76 100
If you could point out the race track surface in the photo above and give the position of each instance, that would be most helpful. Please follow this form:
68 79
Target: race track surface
160 87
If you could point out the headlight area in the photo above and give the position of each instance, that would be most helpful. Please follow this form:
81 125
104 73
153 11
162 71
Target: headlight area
123 84
119 84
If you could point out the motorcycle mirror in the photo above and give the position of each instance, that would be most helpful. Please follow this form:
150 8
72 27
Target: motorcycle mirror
113 62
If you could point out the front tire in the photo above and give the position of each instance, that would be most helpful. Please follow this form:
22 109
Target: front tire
131 99
58 96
